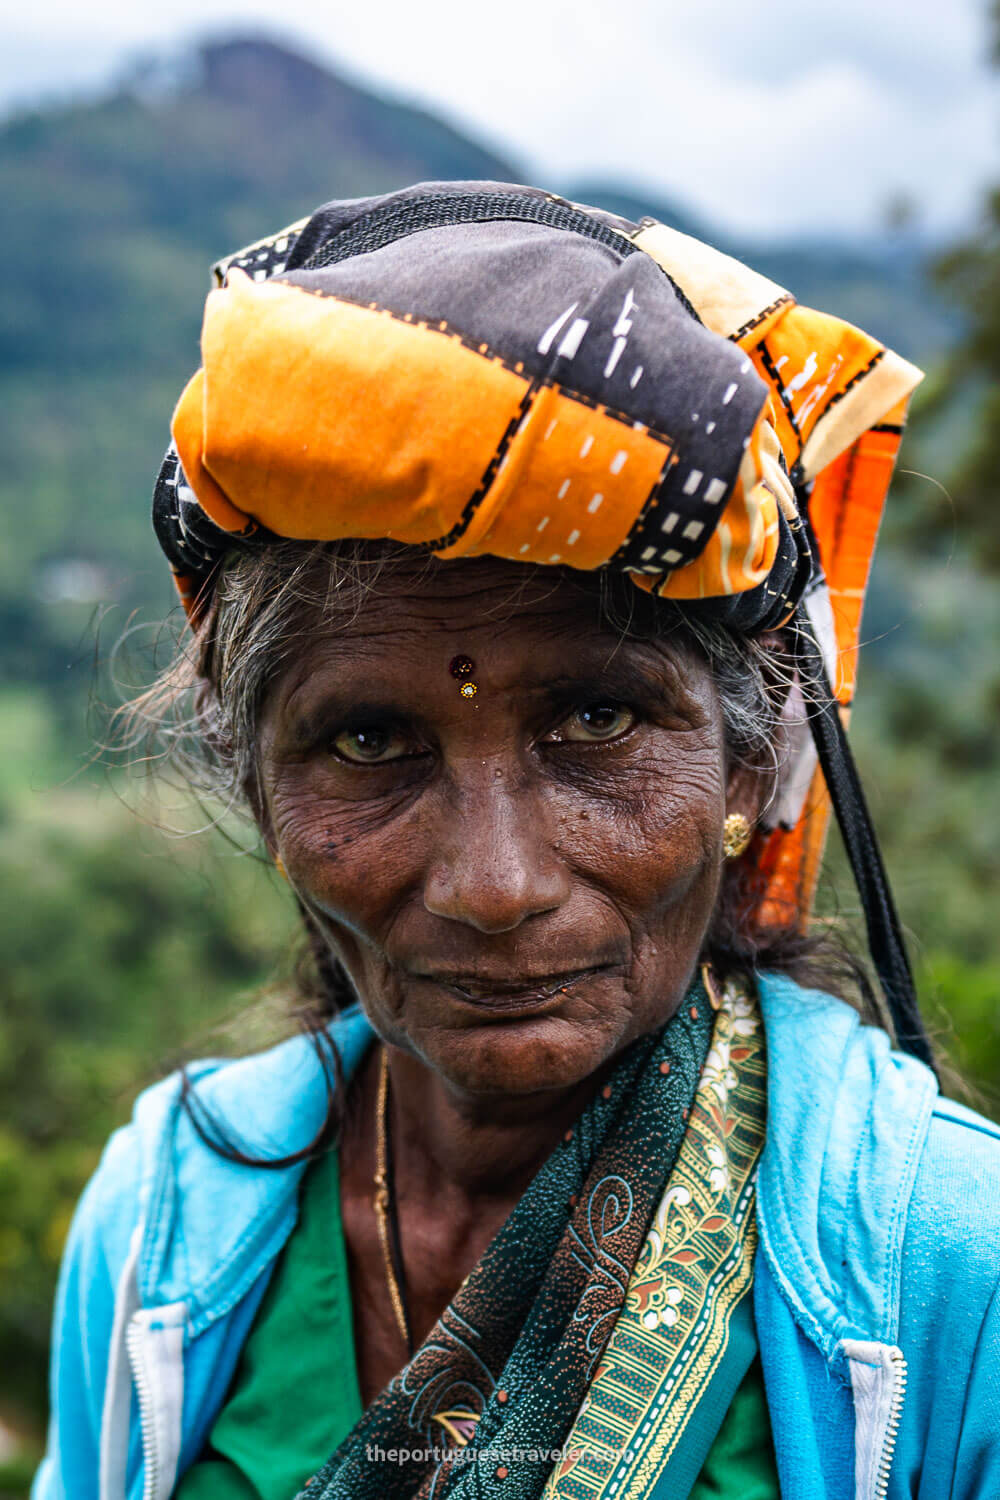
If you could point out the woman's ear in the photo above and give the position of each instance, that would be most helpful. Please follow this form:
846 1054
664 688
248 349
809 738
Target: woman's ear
749 789
210 722
218 742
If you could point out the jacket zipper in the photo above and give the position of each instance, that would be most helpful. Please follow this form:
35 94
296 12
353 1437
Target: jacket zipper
135 1343
891 1433
155 1344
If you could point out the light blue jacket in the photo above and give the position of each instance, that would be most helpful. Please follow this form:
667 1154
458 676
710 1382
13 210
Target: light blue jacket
876 1285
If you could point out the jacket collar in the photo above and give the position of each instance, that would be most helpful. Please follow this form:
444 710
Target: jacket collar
847 1121
847 1118
212 1226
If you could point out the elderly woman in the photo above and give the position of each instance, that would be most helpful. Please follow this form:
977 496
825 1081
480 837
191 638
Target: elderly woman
524 552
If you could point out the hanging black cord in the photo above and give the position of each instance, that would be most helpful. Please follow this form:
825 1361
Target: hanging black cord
885 937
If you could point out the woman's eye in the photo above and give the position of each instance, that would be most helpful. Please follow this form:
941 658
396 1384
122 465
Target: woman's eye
596 721
373 745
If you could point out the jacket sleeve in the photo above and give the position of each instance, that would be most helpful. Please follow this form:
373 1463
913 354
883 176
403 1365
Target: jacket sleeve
949 1313
96 1252
977 1466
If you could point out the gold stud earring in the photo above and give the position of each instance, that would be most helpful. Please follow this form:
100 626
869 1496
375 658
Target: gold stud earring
279 865
736 835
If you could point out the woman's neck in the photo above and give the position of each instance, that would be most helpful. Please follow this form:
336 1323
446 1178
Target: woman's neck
458 1172
485 1149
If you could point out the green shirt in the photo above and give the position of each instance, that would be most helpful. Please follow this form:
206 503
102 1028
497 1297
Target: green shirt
295 1393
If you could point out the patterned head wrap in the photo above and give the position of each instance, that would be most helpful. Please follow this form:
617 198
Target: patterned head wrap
474 368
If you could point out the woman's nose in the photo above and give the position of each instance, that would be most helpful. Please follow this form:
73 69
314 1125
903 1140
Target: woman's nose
495 865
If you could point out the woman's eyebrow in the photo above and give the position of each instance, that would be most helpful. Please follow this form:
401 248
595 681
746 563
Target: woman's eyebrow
306 720
625 675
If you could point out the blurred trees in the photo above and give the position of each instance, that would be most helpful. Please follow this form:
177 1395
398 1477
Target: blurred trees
970 273
123 955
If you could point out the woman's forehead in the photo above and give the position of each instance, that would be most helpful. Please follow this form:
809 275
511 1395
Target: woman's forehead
529 625
472 596
406 601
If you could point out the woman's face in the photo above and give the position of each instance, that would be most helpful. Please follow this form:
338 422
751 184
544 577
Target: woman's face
518 882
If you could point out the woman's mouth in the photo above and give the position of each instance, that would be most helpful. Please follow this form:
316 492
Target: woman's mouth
510 996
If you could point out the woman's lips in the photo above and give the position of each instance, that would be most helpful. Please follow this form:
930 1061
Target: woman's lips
509 996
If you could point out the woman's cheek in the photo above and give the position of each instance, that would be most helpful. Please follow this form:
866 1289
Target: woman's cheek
662 815
333 848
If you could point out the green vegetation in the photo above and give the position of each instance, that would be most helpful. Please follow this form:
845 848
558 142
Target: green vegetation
127 949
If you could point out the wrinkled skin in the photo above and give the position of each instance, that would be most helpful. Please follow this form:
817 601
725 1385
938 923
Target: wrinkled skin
518 883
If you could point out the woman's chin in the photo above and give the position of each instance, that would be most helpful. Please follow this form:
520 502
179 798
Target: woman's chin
519 1044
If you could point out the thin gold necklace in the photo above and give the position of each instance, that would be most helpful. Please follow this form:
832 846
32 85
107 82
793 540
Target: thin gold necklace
384 1204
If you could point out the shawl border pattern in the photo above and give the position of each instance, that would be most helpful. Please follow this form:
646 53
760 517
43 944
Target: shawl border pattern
695 1267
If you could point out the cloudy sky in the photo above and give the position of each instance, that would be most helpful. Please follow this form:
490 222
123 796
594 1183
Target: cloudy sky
768 119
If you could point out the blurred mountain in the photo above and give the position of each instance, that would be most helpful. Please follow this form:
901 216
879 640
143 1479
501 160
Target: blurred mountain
117 206
117 199
882 285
